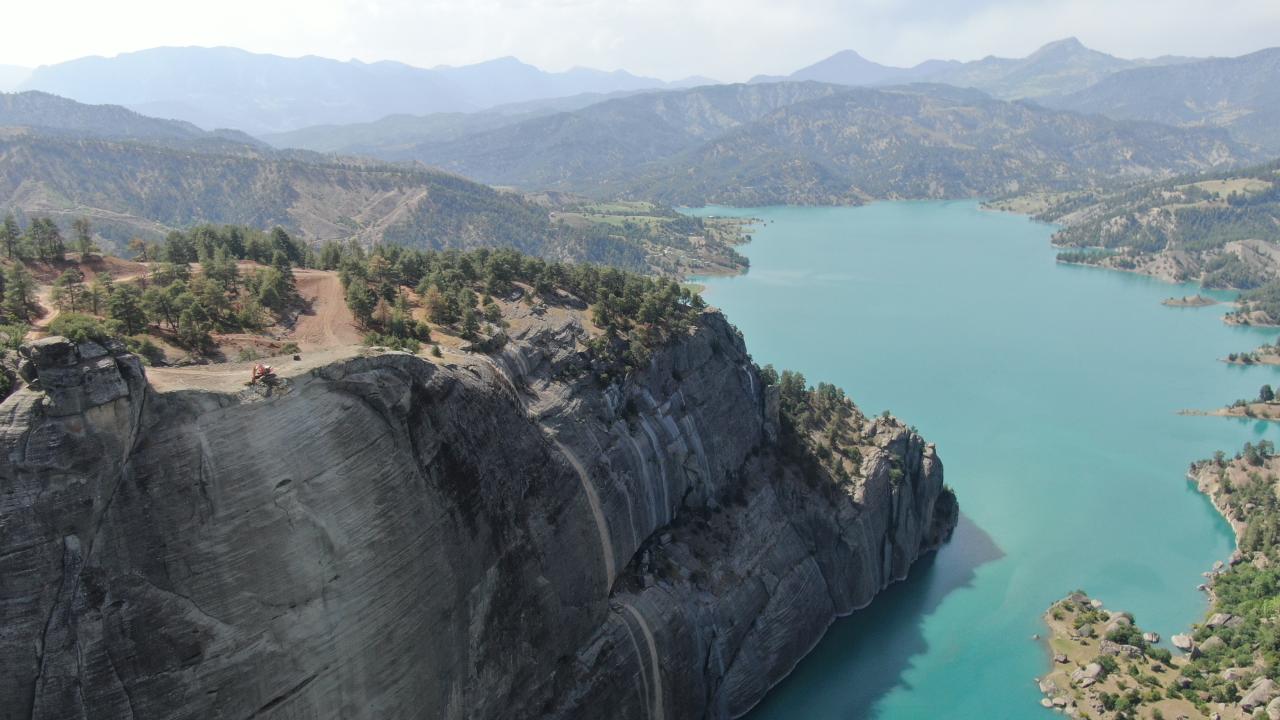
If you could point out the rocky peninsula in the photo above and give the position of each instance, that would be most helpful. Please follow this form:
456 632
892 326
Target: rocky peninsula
480 535
1225 667
1263 355
1104 665
1190 301
1265 406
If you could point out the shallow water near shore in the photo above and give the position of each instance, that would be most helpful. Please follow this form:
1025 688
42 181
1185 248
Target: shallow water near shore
1052 392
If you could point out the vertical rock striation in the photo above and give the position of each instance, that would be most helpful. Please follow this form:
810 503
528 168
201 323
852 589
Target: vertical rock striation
390 537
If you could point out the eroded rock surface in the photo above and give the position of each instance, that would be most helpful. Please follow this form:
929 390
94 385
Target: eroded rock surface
393 538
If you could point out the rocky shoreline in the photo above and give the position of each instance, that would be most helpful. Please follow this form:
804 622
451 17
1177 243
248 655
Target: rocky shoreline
1104 664
1219 673
1249 411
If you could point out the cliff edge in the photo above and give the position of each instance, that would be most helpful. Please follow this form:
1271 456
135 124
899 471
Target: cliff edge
386 536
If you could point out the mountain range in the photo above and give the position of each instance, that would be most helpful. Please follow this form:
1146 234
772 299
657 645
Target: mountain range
388 136
1057 68
801 143
810 142
385 108
1237 94
56 115
135 176
257 93
1240 94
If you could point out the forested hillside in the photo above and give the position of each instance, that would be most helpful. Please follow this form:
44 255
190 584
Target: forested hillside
1240 94
576 150
131 189
814 143
57 115
922 142
1222 228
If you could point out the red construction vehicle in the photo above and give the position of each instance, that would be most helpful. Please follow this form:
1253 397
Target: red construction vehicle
263 373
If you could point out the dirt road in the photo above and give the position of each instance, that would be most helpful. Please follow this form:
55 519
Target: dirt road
329 323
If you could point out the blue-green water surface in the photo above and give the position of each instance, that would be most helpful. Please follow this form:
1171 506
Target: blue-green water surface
1052 393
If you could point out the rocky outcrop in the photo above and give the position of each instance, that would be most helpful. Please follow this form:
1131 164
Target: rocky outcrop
395 538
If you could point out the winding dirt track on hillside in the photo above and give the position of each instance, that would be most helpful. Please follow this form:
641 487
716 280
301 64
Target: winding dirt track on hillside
122 271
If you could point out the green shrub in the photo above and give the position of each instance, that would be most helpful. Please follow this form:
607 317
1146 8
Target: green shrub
150 353
392 341
12 336
78 327
1108 663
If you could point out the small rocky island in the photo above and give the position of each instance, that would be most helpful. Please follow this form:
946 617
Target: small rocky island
1189 301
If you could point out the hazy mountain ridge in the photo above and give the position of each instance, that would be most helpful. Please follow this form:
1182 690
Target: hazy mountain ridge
820 143
1059 67
51 114
227 87
390 137
574 150
1240 94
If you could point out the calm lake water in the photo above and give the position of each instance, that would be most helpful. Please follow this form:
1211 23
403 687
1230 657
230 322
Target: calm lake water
1052 393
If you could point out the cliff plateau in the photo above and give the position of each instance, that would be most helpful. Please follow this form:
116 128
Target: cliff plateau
480 536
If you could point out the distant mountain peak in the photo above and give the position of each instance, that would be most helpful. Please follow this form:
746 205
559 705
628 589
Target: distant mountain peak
848 67
1065 47
1066 42
504 61
849 54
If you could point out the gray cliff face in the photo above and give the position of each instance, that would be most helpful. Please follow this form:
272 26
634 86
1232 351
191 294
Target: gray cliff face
392 538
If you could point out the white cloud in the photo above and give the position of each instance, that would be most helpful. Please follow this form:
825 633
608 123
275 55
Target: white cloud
728 39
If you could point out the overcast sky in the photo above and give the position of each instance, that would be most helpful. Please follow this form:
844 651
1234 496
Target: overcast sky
724 39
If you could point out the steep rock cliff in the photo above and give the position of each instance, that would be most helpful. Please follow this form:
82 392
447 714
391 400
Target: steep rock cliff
497 537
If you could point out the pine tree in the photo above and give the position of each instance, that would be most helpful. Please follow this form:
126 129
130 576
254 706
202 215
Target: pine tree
492 312
361 300
125 306
19 292
9 234
470 324
437 306
68 290
160 303
382 313
141 251
47 240
192 332
84 238
282 264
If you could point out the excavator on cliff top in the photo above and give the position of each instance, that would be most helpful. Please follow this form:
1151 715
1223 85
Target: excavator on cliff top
262 373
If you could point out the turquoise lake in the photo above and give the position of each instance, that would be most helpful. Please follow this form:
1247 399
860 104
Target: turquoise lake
1052 393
